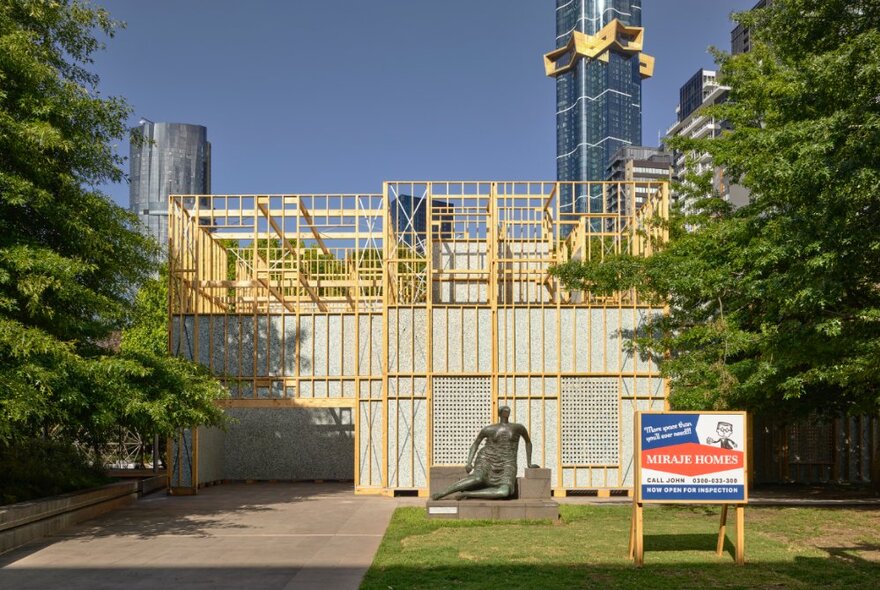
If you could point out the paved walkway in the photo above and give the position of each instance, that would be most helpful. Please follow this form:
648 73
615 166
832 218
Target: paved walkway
282 536
275 536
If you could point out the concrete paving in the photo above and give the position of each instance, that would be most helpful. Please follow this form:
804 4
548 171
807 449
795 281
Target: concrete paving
282 536
276 536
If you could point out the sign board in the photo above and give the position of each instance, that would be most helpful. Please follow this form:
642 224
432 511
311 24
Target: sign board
691 457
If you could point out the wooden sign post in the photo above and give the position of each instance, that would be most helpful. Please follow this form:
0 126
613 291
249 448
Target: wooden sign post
690 458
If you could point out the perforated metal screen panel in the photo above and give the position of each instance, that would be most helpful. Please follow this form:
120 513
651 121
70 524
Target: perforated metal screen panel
590 421
462 406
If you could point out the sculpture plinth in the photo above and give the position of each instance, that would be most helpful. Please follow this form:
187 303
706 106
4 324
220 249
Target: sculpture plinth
532 500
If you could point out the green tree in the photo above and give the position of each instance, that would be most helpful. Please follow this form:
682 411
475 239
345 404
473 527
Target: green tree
776 306
70 263
163 392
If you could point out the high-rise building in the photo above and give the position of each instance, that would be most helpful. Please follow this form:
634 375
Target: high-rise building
599 67
174 158
631 167
695 123
741 37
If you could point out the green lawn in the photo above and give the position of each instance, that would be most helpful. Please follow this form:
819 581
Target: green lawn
785 548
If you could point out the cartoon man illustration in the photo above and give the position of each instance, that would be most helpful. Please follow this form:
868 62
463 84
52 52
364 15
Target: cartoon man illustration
724 430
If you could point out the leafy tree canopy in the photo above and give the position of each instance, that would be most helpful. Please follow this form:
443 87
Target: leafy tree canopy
69 260
776 306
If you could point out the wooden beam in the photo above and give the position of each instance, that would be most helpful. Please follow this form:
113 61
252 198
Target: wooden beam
311 223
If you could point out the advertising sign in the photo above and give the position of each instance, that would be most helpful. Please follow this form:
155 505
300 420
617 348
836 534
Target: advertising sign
697 457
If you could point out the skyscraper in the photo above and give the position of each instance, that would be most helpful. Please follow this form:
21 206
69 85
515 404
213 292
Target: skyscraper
599 66
175 158
701 91
741 37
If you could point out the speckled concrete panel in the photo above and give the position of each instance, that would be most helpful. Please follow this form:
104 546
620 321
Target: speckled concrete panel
469 341
318 347
187 344
454 349
420 442
334 388
377 334
616 337
393 341
536 385
505 341
233 345
582 335
604 478
321 389
175 336
539 418
262 345
218 345
643 387
210 465
534 339
408 387
370 344
550 345
277 343
551 440
306 334
370 444
181 471
306 389
400 442
290 443
333 345
290 338
203 327
567 477
419 339
519 335
484 333
348 344
348 389
247 346
567 339
627 421
521 415
405 339
598 342
647 363
439 330
626 333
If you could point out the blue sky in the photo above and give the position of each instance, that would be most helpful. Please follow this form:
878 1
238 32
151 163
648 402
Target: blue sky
317 96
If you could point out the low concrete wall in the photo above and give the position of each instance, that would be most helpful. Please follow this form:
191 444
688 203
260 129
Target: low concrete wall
148 485
26 521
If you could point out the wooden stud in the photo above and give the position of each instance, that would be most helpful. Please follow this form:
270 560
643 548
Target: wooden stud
722 531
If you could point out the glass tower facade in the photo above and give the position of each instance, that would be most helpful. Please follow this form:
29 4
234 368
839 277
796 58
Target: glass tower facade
598 100
175 159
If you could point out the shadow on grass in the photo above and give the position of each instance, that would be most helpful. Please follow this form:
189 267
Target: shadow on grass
684 542
802 572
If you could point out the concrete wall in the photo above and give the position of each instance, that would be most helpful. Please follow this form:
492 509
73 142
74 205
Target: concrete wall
210 446
538 348
289 444
26 521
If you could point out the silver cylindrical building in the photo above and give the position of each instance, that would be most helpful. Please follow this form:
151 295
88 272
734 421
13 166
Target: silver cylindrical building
175 158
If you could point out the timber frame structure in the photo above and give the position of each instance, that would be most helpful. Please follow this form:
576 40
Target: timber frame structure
417 312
